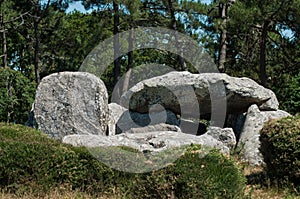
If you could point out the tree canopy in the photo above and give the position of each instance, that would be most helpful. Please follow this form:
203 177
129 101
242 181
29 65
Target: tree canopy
251 38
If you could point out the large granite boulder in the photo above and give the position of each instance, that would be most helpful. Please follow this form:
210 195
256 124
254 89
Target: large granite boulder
69 103
148 141
249 139
177 91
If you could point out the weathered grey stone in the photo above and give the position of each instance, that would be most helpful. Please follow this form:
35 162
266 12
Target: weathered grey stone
121 120
115 112
90 140
130 120
193 127
174 91
249 140
150 141
71 103
224 135
155 128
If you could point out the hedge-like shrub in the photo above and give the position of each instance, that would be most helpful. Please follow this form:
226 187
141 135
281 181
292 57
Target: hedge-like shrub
192 176
280 146
30 161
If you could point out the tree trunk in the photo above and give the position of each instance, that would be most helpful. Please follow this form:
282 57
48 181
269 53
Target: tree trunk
130 48
262 59
117 67
223 38
174 27
130 61
4 41
10 107
36 50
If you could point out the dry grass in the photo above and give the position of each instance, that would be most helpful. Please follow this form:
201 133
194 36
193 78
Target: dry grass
259 187
57 194
257 192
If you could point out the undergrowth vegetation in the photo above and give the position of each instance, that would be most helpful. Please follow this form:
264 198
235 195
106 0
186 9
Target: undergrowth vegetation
31 162
281 150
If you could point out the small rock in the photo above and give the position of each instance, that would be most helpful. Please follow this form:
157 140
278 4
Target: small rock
115 112
224 135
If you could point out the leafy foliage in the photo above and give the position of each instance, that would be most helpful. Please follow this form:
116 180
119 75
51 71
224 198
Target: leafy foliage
16 96
288 92
65 39
75 36
281 149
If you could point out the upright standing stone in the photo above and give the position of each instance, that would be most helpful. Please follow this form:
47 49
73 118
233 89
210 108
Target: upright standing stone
115 112
249 140
69 103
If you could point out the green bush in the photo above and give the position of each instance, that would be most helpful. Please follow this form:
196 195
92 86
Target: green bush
191 176
281 149
30 161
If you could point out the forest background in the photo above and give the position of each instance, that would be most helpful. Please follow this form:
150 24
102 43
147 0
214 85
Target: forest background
245 38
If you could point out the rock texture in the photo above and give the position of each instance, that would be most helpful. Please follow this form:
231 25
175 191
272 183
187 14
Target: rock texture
224 135
129 120
175 91
73 106
69 103
115 112
249 140
155 128
149 141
